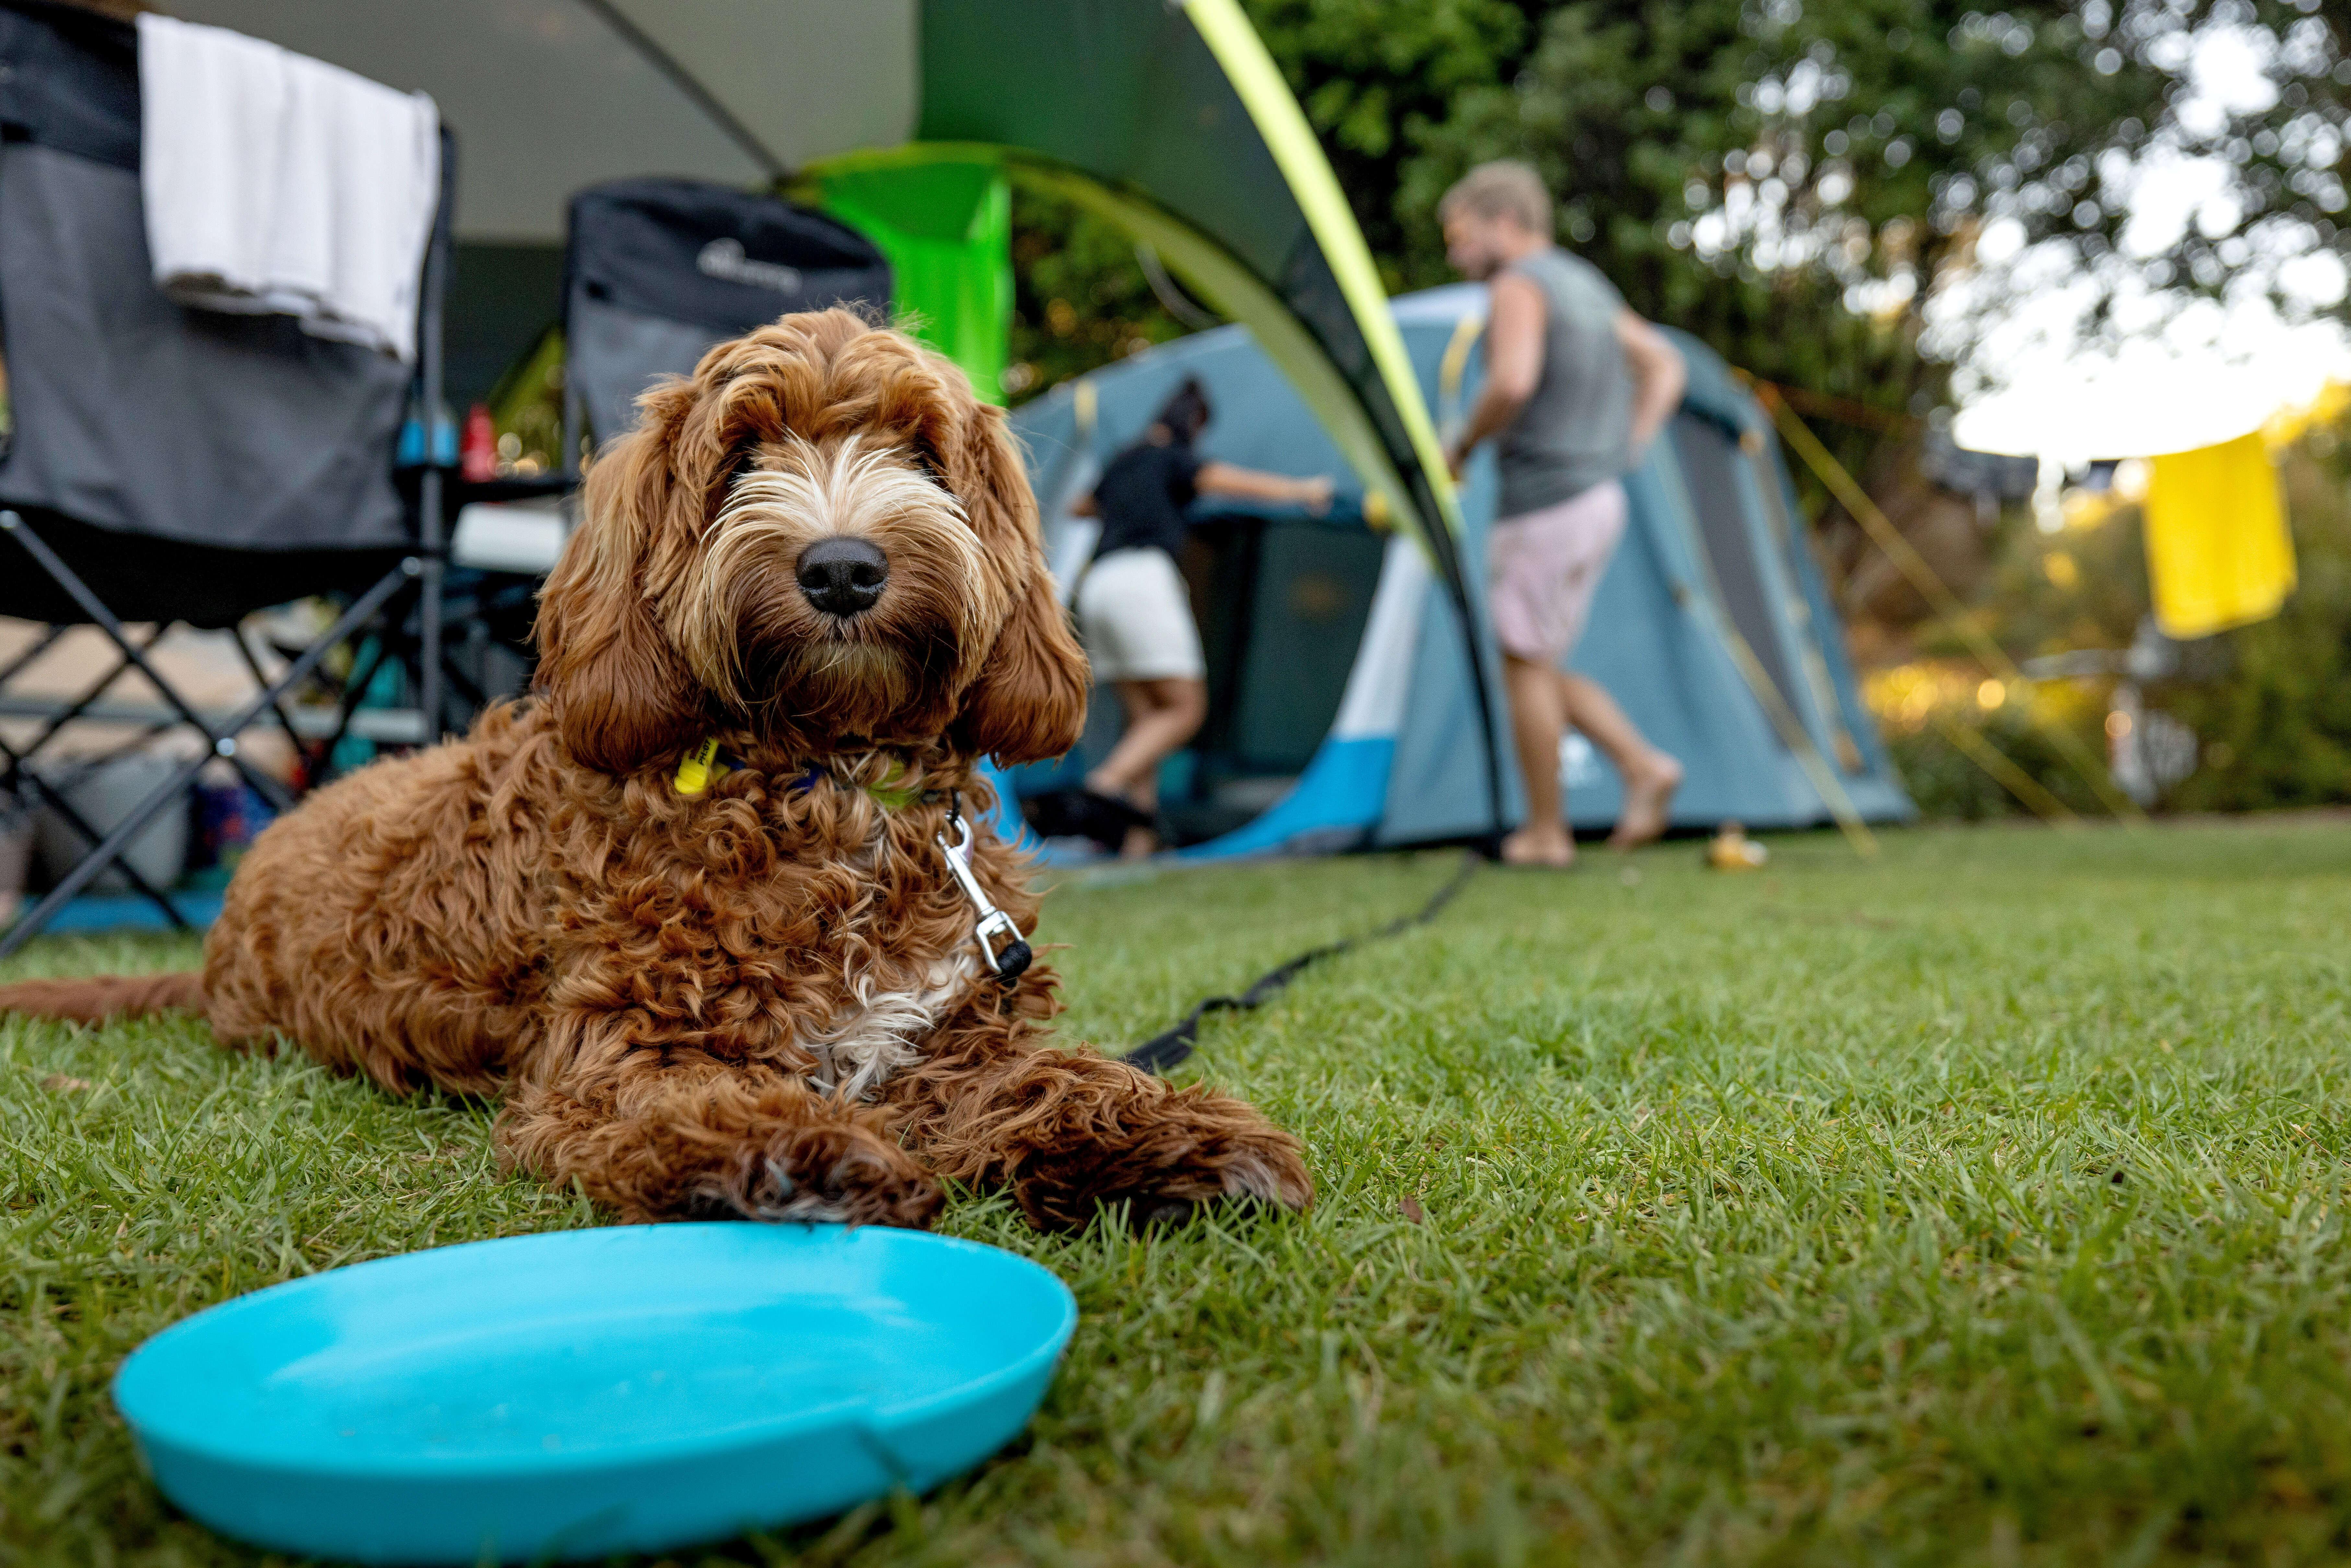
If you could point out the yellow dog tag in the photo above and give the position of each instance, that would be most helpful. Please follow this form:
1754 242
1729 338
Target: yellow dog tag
700 768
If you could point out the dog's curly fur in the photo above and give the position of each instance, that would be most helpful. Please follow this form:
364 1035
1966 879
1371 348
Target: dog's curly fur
765 999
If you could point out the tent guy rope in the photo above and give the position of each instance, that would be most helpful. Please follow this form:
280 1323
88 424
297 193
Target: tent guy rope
1938 594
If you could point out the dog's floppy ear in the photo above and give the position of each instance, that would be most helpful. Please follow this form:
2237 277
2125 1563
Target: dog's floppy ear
621 697
1029 702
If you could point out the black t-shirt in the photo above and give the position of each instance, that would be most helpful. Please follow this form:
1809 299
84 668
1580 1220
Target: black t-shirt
1141 498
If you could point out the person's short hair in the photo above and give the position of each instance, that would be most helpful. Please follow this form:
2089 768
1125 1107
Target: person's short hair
1186 413
1506 188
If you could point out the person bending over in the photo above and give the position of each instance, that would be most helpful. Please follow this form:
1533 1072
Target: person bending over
1576 387
1134 609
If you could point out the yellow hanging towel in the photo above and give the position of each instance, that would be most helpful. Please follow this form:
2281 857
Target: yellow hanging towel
2217 546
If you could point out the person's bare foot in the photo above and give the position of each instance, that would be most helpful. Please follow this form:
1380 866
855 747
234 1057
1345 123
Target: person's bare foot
1141 844
1648 792
1537 846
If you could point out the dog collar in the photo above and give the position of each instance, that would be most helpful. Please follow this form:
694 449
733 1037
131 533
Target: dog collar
705 763
702 766
999 939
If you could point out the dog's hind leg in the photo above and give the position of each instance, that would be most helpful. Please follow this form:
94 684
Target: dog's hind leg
1071 1132
715 1140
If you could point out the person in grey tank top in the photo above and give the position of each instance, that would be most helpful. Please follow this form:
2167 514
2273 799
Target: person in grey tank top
1576 387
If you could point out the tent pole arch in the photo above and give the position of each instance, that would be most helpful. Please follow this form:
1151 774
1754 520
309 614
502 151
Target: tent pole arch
1282 124
1228 285
1209 272
1251 69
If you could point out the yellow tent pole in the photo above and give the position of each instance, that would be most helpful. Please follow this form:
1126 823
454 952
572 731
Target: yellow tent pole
2029 791
1938 594
1453 369
1279 119
1800 744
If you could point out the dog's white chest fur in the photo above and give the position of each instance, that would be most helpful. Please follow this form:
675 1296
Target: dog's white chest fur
882 1030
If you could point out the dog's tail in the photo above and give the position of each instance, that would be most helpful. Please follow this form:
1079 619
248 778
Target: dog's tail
94 999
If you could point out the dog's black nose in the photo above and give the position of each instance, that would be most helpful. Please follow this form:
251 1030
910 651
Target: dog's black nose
843 575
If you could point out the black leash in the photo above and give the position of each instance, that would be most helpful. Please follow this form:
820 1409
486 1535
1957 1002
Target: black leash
1163 1052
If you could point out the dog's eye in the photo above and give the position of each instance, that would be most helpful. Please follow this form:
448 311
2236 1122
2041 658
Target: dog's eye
740 457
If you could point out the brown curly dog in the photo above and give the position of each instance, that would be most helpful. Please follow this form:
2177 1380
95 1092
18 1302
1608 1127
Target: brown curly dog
764 999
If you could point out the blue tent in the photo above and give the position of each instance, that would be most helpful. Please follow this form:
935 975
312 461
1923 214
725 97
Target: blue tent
1341 711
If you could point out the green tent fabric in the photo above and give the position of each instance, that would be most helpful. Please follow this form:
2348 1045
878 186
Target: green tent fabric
946 227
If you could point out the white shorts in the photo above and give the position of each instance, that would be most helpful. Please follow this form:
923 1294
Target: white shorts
1135 615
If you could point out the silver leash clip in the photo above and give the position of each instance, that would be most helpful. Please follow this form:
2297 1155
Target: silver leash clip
1006 950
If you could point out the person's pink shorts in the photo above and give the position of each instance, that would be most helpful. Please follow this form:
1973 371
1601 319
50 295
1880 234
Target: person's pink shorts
1545 566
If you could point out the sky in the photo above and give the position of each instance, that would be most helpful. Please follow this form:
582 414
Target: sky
2173 371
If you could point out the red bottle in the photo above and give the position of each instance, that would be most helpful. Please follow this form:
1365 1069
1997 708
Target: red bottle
478 454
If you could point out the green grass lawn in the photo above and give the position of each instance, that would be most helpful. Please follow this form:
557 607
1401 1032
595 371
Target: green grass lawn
1984 1204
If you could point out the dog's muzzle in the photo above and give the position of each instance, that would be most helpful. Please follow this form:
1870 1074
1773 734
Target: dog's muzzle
842 575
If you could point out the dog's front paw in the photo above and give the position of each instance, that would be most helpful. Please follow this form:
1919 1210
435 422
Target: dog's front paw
846 1175
1268 1169
1165 1173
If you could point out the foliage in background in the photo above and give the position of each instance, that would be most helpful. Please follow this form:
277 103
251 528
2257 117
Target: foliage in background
1080 298
1790 182
2084 588
1947 785
2269 703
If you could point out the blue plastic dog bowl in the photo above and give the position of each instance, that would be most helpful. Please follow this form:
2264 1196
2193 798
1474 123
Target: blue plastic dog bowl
589 1392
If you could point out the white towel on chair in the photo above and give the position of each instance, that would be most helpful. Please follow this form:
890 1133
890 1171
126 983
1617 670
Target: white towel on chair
275 184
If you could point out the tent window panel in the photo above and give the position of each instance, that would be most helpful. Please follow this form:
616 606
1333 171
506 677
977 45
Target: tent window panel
1793 538
1710 461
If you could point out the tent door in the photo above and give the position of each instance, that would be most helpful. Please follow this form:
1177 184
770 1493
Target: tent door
1281 605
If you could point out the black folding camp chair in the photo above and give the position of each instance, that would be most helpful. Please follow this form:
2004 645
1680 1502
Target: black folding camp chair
164 463
656 271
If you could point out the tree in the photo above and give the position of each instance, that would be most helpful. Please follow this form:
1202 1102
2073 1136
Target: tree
1837 196
1798 184
1080 298
1746 169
